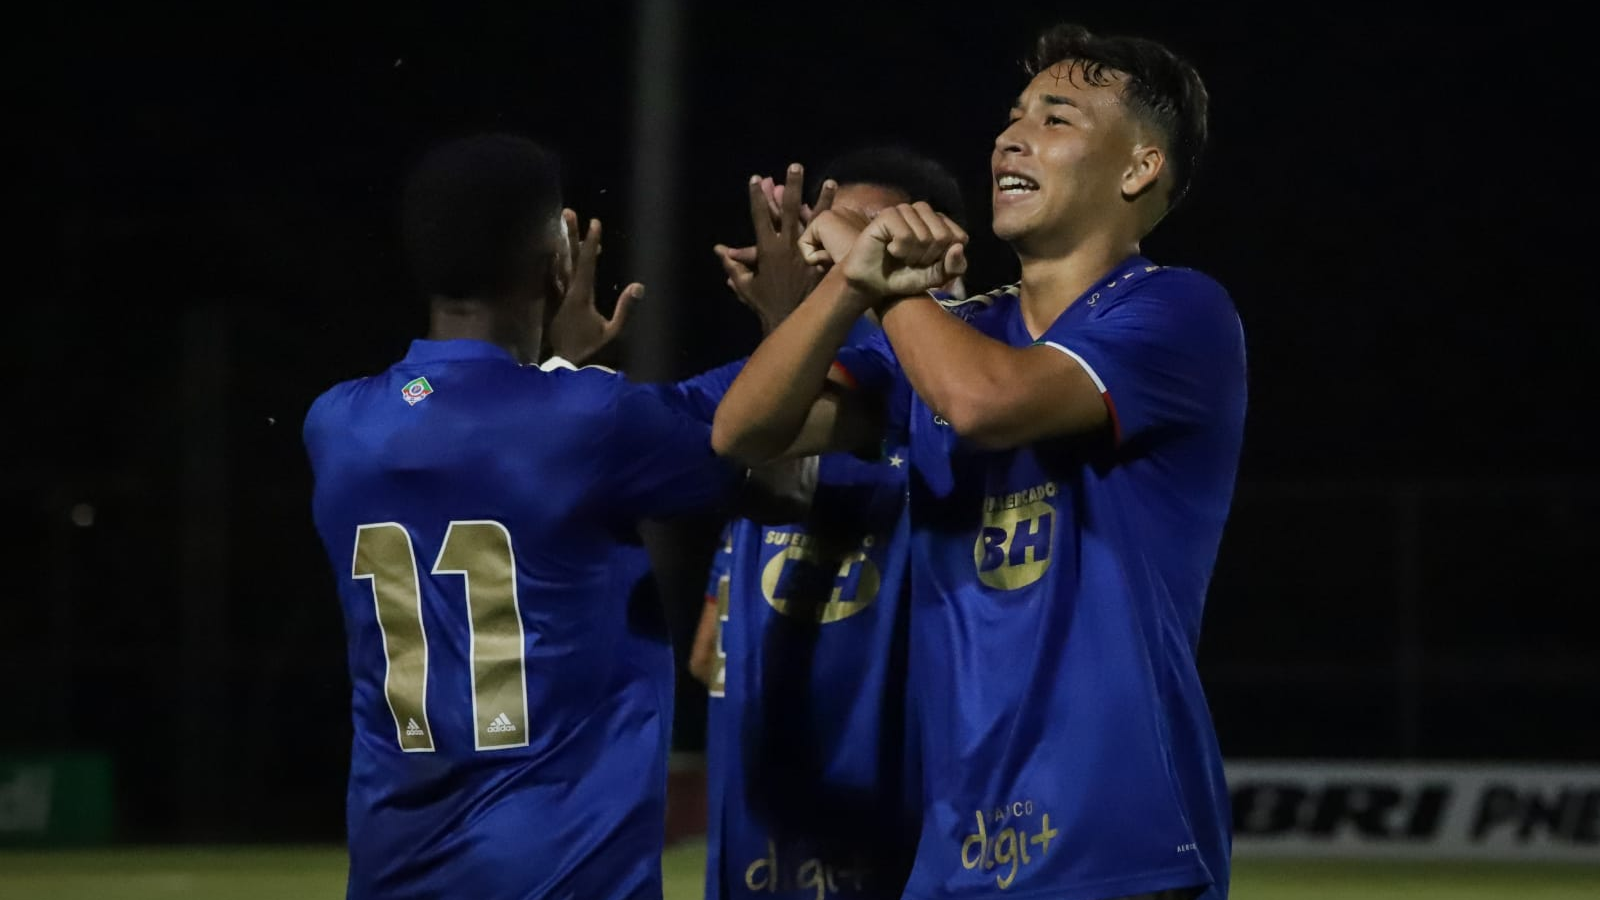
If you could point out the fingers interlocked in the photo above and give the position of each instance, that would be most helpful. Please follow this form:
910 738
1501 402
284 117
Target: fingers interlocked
918 235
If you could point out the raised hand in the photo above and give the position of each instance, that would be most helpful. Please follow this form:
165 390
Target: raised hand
772 277
905 249
578 330
825 197
829 235
775 194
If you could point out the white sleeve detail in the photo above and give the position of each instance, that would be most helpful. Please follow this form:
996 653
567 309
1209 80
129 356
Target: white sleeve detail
556 362
1093 375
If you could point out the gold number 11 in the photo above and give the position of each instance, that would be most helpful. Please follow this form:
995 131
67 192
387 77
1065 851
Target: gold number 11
480 552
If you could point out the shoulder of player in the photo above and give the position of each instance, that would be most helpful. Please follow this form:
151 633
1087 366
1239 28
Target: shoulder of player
1175 282
557 371
602 393
560 364
1186 301
588 394
1183 294
323 404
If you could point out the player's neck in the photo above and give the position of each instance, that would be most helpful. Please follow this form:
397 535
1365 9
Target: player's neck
1052 283
476 320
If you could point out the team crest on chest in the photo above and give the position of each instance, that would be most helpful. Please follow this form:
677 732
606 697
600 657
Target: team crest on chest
416 390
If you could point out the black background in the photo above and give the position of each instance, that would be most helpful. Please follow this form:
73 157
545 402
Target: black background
202 240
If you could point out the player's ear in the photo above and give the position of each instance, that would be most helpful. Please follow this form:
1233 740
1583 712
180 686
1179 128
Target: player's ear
1144 170
558 273
560 264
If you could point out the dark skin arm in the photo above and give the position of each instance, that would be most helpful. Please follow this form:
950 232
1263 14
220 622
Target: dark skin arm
772 276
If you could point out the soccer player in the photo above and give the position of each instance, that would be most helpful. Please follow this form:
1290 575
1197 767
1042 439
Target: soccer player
803 637
475 509
1074 443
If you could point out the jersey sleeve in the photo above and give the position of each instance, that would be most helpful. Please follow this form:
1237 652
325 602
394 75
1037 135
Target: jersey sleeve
871 366
313 430
1168 354
656 459
699 395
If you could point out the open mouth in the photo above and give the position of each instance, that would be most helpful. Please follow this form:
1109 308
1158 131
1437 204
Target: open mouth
1012 185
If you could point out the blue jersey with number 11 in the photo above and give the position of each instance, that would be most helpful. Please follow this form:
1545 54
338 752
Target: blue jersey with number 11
507 733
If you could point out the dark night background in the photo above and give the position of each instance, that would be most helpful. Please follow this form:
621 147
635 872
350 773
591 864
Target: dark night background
202 241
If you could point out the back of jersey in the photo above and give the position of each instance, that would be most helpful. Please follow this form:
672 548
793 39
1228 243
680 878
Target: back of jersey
470 508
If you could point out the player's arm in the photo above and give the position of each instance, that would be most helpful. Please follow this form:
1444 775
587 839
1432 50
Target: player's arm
784 402
703 653
992 394
652 459
788 400
777 491
989 392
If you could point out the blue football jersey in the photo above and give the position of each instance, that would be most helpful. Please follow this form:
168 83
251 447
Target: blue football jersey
716 718
646 683
510 715
807 746
1056 604
698 395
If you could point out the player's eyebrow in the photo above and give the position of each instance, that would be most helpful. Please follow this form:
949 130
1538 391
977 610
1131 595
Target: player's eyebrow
1049 100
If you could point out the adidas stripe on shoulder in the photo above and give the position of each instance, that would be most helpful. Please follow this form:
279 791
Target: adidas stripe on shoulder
556 362
967 307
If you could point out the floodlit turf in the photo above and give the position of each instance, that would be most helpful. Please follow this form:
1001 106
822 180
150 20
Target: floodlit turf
317 873
169 873
1369 880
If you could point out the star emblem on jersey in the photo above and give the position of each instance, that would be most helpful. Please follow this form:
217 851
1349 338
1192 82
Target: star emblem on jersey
416 390
896 461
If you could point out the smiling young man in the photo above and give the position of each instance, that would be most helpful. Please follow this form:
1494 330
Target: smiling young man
1074 441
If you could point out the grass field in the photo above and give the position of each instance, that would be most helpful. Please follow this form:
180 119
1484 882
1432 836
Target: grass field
317 873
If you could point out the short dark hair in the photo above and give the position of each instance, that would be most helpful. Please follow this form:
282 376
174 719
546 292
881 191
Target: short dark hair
471 209
1162 88
917 175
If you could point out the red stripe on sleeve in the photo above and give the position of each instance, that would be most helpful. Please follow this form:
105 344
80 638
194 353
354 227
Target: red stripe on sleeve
844 375
1116 423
